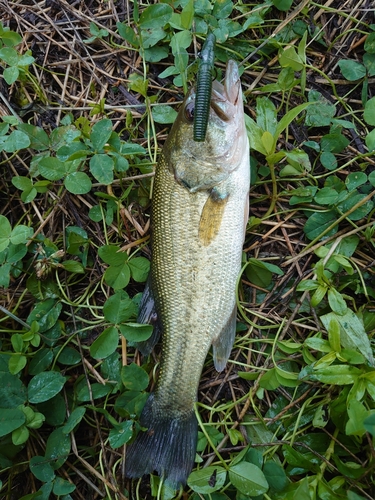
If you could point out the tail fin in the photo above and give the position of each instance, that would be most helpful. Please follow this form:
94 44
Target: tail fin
168 446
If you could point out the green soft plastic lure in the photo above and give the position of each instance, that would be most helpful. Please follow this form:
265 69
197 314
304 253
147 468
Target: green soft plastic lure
204 88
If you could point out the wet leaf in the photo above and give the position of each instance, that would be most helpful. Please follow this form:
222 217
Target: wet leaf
248 479
208 479
105 344
45 386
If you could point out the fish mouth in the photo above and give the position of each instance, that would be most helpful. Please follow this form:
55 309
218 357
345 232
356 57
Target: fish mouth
225 98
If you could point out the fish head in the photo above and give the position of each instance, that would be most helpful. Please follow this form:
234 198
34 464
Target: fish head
203 165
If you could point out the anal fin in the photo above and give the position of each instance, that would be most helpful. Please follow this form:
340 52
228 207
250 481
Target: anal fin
223 344
147 315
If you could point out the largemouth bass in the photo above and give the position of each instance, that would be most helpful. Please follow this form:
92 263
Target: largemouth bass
199 216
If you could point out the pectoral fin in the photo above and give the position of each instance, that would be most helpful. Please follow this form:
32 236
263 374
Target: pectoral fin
211 217
223 344
147 315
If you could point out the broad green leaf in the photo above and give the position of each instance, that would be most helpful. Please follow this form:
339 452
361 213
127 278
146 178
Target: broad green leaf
63 487
269 380
11 74
78 183
321 113
268 142
38 137
41 468
134 377
12 391
118 308
135 332
10 419
370 140
41 361
74 419
319 222
275 476
369 424
52 168
97 391
58 447
9 38
355 198
357 415
334 142
282 5
266 115
63 137
297 459
132 149
208 479
131 403
369 62
155 16
67 356
72 151
248 479
128 34
46 313
117 277
156 54
352 333
20 234
5 231
17 363
20 435
152 37
255 133
100 134
112 255
371 178
121 434
105 344
137 83
54 410
44 386
73 266
101 167
328 160
161 489
355 179
369 112
326 196
15 141
334 334
37 421
352 70
164 114
370 43
21 182
289 58
139 268
337 302
337 374
260 273
302 195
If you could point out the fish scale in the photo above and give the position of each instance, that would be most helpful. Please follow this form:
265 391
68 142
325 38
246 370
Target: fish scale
199 215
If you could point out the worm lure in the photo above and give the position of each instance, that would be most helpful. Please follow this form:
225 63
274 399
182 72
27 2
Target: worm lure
204 88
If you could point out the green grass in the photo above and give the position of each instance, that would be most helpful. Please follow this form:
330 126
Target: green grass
88 96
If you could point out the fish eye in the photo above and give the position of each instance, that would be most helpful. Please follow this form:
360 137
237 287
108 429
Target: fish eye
189 112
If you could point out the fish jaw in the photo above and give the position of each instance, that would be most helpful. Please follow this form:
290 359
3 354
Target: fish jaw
200 166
